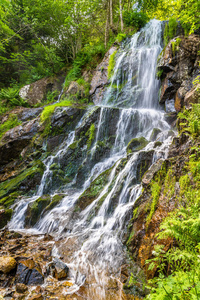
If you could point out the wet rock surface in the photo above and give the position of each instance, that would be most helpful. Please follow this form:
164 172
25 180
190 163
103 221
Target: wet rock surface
142 235
100 78
179 64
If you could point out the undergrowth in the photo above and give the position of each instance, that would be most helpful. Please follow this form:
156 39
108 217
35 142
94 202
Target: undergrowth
178 273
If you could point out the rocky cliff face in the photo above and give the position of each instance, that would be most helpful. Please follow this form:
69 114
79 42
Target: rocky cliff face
178 65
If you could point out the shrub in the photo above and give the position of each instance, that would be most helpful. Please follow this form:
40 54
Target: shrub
135 18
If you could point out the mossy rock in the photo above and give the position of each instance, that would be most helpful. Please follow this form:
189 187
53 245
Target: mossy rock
35 209
25 180
136 144
5 216
93 191
7 201
74 145
54 166
157 144
154 134
55 201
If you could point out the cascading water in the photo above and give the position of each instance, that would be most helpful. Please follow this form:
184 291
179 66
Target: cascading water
129 110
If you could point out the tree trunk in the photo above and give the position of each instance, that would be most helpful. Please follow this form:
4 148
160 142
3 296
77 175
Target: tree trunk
111 13
120 14
107 26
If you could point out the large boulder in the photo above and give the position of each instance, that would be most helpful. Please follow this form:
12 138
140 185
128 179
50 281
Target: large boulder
100 78
36 92
58 269
16 139
193 96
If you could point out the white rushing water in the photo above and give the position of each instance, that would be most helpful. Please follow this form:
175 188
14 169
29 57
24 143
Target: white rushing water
99 228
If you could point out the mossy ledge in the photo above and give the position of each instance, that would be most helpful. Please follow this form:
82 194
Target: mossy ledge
20 181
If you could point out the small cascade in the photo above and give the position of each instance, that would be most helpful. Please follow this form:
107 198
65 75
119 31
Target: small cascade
112 178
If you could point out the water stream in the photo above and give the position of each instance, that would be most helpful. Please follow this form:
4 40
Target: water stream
96 232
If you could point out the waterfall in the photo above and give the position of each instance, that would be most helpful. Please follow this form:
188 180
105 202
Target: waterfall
129 110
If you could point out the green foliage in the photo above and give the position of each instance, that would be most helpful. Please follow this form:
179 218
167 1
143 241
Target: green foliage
11 97
85 85
83 58
120 37
170 30
175 45
11 122
191 120
51 96
111 64
135 19
178 268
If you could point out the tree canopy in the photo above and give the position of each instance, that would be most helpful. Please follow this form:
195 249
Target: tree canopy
38 38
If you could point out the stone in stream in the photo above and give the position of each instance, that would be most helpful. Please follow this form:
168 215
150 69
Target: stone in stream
155 134
58 269
7 264
28 272
136 144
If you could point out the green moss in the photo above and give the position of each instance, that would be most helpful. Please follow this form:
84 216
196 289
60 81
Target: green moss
136 144
11 185
55 201
169 184
159 73
9 200
91 135
111 64
184 183
54 166
9 124
73 145
94 190
155 192
35 209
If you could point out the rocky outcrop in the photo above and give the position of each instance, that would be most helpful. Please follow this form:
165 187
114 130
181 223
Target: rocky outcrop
150 210
179 65
36 92
100 78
